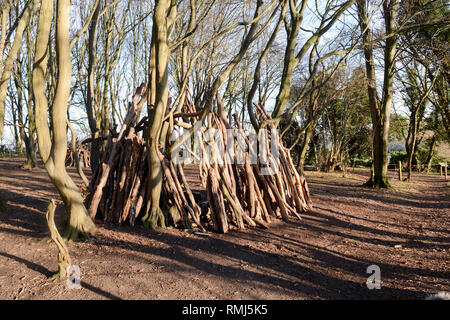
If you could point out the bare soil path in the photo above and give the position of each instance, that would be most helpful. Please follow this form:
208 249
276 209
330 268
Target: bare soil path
405 232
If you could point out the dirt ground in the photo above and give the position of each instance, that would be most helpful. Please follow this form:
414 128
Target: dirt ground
325 256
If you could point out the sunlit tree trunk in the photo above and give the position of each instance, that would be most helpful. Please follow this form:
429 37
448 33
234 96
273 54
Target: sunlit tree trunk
8 65
304 148
160 56
53 148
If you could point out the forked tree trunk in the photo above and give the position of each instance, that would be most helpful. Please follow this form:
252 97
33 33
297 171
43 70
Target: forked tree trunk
53 148
380 111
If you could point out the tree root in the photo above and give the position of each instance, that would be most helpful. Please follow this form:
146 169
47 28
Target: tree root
154 218
377 183
76 230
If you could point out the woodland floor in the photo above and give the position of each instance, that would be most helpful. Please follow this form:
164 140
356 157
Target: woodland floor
324 256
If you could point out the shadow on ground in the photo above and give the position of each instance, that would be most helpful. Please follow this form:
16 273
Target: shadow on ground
323 256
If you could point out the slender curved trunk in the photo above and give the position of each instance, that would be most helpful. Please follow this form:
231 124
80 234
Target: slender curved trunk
11 58
290 62
53 148
257 72
412 143
90 102
27 139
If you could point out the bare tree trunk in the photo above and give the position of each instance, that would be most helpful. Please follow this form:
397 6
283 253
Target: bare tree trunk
304 149
430 153
26 138
30 142
17 137
380 112
411 142
53 148
257 72
290 60
90 103
161 53
11 58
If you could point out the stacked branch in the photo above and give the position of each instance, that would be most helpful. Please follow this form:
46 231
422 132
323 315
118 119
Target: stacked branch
242 194
84 156
239 191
